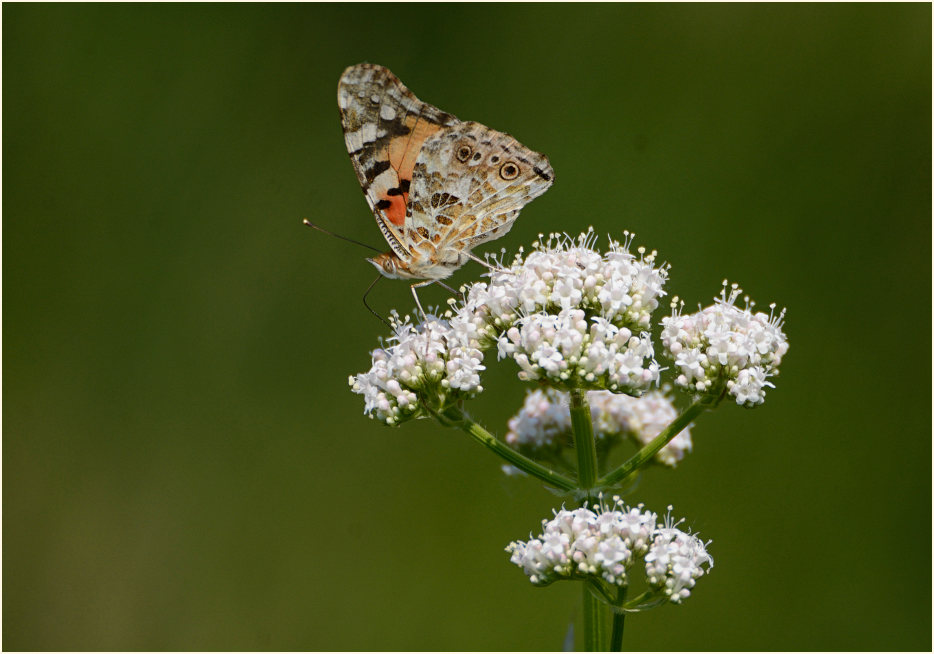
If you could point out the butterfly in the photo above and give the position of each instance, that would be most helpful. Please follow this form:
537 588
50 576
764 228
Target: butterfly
437 186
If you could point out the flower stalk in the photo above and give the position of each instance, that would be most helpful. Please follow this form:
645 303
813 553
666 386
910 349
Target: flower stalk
584 443
456 418
594 619
619 622
645 455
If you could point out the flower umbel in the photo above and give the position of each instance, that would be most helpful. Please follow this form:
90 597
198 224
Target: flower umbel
725 347
605 544
567 350
675 560
427 366
571 316
543 424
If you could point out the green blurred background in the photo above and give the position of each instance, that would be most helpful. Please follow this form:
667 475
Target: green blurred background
184 466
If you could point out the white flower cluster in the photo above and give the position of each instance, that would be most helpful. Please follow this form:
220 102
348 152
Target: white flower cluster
563 273
566 313
569 350
723 345
544 422
606 543
571 315
675 561
583 542
433 355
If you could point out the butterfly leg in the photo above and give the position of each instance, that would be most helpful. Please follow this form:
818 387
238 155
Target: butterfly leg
427 282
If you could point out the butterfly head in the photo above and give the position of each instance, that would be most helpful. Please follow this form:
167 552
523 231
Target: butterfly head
391 266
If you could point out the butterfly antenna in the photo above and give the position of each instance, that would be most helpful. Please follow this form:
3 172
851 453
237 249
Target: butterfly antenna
367 292
329 233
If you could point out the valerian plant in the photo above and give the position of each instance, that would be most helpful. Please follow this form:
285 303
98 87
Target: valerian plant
577 324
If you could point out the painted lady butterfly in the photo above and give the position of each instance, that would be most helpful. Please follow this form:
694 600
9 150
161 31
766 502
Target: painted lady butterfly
438 187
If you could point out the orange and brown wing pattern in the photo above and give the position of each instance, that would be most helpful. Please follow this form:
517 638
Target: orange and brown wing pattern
385 126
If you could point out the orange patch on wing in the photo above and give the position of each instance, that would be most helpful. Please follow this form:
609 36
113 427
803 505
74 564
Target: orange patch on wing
402 153
395 213
403 150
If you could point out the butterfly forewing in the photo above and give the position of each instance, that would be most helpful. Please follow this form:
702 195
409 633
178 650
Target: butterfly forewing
385 126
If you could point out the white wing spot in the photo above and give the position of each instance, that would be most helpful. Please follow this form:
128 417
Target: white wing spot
374 99
386 112
366 134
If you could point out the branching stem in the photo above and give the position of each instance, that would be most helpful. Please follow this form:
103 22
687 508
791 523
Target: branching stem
457 418
645 455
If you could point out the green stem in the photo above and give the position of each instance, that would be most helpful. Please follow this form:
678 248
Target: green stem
594 620
645 455
582 423
619 622
457 418
584 443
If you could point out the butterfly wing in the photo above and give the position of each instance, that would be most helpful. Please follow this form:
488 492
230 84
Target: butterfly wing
385 127
469 184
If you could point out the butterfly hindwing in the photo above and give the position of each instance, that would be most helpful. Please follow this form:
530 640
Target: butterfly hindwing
469 184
